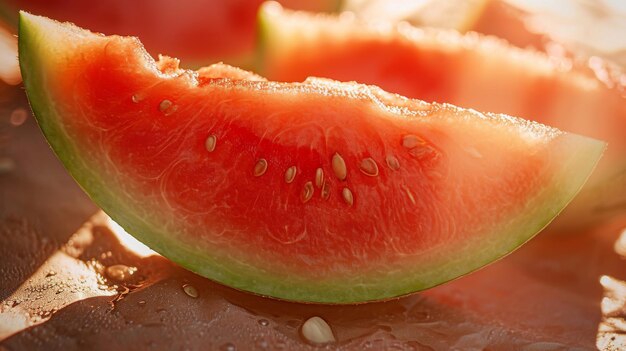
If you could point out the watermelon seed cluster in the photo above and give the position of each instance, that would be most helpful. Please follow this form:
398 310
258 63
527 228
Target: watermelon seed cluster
367 166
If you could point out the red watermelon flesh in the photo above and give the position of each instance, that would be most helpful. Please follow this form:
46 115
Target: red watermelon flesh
318 191
470 70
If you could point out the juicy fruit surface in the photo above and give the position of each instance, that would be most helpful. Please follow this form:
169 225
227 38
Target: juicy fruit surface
471 70
318 191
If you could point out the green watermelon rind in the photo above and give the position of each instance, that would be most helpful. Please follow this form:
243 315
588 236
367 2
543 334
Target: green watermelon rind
580 155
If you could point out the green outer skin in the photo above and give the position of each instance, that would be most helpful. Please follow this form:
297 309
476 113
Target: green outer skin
580 155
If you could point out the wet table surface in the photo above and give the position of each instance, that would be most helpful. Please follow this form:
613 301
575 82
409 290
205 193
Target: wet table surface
69 279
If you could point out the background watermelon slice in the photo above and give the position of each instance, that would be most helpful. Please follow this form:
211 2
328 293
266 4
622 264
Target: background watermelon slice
388 195
198 31
470 70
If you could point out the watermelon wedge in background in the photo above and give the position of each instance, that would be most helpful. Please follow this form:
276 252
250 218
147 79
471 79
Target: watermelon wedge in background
9 68
471 70
574 28
493 17
318 191
197 31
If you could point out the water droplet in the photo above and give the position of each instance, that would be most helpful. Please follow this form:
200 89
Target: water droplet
190 290
51 274
229 346
317 331
120 272
264 322
18 117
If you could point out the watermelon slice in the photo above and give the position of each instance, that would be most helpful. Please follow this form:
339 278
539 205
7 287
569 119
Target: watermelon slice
318 191
471 70
227 28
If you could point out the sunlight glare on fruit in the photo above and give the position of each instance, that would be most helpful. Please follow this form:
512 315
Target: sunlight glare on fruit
592 27
390 10
452 14
128 240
